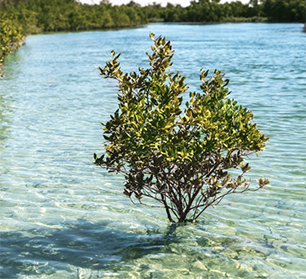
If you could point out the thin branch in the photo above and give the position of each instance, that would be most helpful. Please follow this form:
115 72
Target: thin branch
167 208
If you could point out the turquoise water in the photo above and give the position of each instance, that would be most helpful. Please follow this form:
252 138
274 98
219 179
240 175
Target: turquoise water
63 217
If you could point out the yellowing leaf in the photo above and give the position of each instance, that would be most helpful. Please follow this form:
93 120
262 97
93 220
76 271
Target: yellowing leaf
110 146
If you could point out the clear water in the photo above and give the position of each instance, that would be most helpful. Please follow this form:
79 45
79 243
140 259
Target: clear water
63 217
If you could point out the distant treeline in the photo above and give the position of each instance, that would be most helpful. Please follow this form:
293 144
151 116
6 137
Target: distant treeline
213 11
19 18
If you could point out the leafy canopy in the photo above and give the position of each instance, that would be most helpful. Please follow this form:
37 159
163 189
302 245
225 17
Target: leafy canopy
177 155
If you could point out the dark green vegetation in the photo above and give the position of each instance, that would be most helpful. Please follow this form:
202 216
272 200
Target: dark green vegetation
179 155
62 15
213 11
19 18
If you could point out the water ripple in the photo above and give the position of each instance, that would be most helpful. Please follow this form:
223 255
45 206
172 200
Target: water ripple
62 217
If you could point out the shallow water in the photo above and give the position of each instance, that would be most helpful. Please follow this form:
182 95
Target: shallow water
63 217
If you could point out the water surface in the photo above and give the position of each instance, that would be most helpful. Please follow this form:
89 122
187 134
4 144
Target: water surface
63 217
